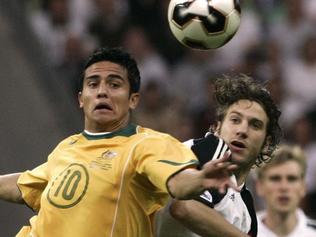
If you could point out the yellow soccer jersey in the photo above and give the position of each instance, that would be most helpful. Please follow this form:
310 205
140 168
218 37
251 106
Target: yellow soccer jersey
108 185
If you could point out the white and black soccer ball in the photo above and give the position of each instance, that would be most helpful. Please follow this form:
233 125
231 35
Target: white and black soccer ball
204 24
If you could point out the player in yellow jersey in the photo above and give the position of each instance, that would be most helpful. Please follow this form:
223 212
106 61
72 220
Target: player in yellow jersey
110 180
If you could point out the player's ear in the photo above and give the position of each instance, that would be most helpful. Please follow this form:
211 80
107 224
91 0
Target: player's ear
303 189
216 128
266 146
133 100
259 188
80 99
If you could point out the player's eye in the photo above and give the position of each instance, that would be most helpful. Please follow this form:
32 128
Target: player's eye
115 82
114 85
257 124
235 119
275 178
292 178
92 84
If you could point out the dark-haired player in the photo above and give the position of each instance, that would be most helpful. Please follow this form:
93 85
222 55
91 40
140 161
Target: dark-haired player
110 179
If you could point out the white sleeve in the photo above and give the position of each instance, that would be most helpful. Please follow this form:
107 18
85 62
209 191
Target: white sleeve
234 209
189 143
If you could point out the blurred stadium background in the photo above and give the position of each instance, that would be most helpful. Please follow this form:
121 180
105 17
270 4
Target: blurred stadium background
44 44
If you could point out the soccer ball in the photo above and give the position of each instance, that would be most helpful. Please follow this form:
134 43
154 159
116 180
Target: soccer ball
204 24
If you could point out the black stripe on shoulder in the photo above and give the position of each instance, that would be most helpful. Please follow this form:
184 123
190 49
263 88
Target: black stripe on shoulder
204 148
311 223
197 140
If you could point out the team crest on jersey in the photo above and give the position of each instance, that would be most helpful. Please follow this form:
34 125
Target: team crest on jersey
108 154
104 161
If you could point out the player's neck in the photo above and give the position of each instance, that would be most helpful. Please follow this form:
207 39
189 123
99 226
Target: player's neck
241 178
100 127
280 223
241 175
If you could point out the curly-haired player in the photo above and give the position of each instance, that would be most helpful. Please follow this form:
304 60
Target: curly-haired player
247 121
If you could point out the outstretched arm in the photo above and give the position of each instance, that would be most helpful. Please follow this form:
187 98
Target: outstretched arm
9 190
215 174
203 220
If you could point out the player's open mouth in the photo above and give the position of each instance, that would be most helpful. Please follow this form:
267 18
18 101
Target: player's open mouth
238 144
102 106
283 199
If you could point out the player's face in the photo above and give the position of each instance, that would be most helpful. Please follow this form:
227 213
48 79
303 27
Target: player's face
105 97
244 130
282 187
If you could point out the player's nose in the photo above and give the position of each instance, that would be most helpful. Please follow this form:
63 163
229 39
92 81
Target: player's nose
102 90
242 130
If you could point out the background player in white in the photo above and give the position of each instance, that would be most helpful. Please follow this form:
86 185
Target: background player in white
281 184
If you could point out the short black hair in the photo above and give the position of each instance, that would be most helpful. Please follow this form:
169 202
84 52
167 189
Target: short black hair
119 56
231 89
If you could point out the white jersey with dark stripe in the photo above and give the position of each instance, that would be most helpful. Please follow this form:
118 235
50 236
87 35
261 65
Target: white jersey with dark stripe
236 207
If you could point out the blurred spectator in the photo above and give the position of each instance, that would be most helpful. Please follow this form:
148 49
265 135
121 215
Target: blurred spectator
249 33
54 27
268 11
109 22
150 62
71 65
310 9
203 114
153 15
300 82
146 13
276 87
290 27
81 12
262 62
254 62
190 75
157 111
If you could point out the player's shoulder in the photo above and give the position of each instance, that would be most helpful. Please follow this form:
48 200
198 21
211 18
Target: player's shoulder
311 223
70 140
148 132
144 130
153 137
307 224
209 147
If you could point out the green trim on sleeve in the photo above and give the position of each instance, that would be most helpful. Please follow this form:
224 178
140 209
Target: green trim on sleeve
191 162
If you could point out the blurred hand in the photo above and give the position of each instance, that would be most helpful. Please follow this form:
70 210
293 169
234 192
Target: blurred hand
216 174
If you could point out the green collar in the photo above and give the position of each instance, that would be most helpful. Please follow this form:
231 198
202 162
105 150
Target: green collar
127 131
